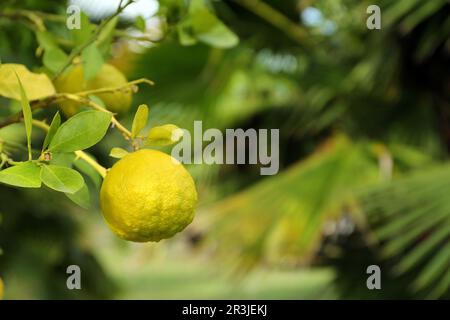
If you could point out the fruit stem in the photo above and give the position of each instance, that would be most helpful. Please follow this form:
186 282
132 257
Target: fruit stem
94 164
80 154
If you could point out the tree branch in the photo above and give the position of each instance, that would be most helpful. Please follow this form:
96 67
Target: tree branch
79 97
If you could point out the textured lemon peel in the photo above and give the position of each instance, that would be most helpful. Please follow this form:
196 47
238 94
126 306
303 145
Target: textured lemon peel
146 196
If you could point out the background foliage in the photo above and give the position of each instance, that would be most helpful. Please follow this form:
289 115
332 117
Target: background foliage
364 142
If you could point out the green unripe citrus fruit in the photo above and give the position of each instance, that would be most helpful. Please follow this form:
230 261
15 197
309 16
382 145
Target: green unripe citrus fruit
118 101
72 81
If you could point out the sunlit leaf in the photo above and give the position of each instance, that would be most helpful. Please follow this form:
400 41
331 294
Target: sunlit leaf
81 131
164 135
36 86
140 120
27 116
118 153
26 175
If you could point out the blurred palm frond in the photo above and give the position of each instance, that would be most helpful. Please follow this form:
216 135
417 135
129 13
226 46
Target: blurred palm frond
283 217
411 220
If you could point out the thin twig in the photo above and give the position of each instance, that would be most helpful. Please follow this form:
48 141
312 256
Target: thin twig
118 88
28 15
79 97
72 97
68 96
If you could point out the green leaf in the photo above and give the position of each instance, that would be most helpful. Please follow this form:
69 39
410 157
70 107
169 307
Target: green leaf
61 179
26 175
54 58
106 35
81 131
209 29
410 218
186 33
63 159
45 40
139 23
164 135
118 153
436 266
92 60
36 86
81 35
81 197
27 117
90 172
56 122
140 120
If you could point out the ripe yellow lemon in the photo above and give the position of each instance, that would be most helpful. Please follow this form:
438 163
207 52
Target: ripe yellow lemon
148 196
73 81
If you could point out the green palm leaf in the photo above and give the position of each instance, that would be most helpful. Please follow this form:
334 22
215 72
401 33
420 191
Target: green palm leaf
411 220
